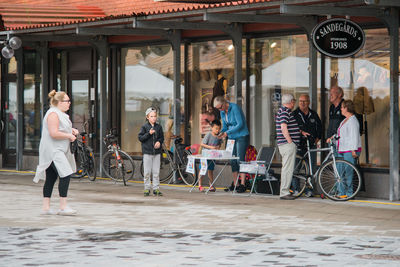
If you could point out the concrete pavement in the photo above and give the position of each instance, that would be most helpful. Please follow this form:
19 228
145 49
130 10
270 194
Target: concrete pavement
117 226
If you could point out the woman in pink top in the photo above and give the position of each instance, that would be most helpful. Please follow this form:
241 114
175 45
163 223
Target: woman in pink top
348 145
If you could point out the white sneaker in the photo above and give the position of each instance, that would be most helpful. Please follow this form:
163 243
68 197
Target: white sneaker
48 212
67 212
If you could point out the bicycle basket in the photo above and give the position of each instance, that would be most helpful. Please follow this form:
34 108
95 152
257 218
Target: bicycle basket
110 139
114 132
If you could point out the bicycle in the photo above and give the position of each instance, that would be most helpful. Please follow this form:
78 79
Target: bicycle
116 164
84 157
331 174
169 166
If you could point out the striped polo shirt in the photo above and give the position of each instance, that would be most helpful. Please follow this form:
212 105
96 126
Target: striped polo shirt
285 115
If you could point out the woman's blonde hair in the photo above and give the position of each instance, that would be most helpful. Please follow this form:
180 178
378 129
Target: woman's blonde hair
56 97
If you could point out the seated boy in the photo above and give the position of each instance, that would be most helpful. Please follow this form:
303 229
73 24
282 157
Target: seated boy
211 141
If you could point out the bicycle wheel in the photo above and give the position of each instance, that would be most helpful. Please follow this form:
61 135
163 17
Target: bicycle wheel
118 170
128 165
333 184
187 178
166 168
90 165
80 160
301 172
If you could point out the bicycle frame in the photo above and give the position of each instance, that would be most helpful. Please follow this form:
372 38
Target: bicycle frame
114 147
309 163
173 160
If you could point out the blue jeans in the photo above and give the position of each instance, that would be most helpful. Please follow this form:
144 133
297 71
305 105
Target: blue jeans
239 150
346 173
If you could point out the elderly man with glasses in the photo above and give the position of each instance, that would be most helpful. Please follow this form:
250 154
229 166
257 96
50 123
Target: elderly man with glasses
311 128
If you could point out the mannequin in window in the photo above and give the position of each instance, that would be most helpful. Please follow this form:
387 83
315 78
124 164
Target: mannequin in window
220 88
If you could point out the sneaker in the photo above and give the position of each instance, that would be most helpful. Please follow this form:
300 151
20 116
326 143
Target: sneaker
241 189
212 189
67 212
201 189
230 188
157 193
288 197
146 193
308 194
293 192
48 212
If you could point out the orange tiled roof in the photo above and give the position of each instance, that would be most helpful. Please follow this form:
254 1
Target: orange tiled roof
24 14
15 16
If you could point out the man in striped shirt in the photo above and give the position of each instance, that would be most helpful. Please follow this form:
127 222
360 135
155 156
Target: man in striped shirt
288 137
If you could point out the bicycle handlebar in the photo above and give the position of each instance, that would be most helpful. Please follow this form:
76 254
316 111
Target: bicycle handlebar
331 141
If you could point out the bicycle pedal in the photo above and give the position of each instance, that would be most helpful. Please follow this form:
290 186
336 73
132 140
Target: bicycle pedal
80 171
130 171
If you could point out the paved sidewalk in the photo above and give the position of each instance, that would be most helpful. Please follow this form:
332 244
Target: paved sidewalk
117 226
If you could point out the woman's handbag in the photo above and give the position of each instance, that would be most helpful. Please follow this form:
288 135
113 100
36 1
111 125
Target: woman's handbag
73 146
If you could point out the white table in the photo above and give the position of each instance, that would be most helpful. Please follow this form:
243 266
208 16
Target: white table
200 157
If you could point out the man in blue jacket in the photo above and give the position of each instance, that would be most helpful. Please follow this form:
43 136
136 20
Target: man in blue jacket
234 127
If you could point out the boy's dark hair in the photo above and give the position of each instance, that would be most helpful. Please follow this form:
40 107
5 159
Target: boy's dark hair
215 122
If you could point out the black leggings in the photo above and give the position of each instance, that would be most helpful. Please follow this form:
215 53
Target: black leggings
51 178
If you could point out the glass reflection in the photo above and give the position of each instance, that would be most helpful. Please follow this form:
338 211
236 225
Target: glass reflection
147 75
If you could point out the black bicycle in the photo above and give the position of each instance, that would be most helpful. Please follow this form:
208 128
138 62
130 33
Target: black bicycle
84 157
117 164
169 166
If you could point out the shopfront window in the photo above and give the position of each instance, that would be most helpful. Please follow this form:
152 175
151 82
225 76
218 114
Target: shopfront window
147 80
211 68
32 100
365 79
277 65
10 109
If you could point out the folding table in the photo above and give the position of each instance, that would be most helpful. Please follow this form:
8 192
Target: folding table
200 157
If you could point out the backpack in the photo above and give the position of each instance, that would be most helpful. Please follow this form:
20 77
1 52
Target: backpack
251 154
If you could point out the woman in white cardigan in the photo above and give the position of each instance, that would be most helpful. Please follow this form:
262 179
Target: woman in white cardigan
55 157
348 144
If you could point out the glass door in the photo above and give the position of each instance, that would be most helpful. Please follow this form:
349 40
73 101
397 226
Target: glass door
82 110
79 109
10 123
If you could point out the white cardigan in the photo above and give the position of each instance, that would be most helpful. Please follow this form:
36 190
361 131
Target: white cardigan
349 133
55 150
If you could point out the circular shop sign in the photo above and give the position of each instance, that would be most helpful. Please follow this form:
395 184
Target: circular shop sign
338 37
